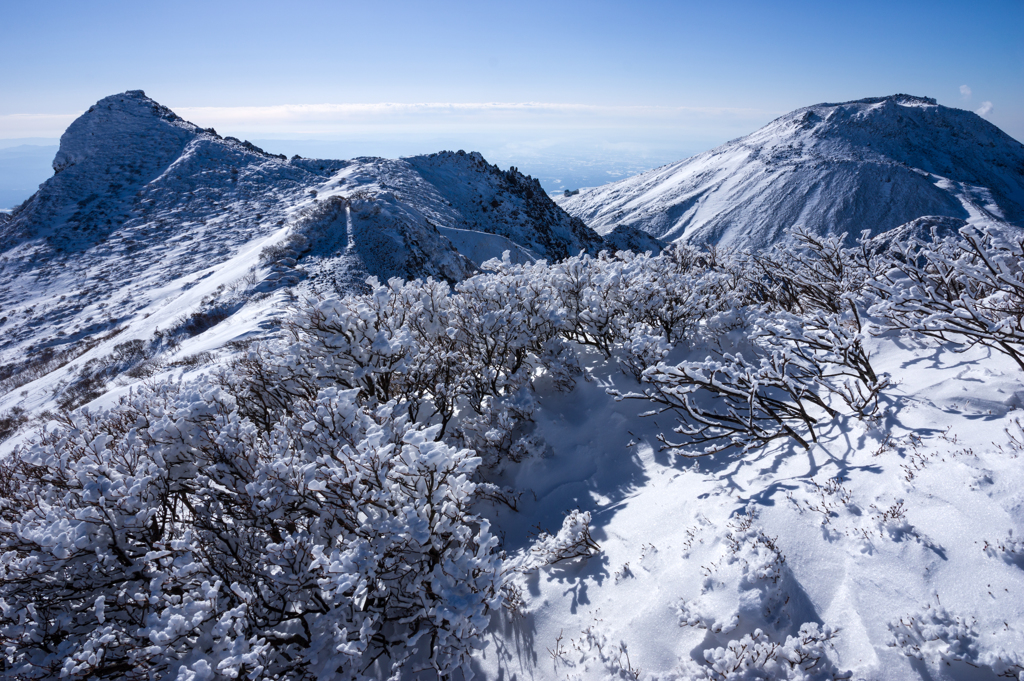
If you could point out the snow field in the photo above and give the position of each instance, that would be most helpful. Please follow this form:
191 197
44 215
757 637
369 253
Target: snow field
878 522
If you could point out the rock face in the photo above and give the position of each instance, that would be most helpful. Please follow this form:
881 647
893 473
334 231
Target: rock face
483 198
869 164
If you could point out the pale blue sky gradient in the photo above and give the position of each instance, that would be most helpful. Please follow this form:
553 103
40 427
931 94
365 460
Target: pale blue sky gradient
643 80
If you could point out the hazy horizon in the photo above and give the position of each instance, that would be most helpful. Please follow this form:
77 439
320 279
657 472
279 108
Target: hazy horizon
559 154
540 141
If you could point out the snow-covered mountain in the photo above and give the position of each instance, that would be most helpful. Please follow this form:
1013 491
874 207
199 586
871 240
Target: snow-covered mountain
869 164
143 206
798 463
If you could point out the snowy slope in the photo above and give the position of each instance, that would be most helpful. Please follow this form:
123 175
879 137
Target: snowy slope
915 517
888 549
830 168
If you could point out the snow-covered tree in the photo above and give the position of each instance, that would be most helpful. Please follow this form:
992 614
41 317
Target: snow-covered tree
962 290
170 536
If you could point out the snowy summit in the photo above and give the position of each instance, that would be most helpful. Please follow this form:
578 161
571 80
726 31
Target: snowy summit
829 169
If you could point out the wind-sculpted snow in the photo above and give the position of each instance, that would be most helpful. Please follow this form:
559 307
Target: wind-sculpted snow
827 169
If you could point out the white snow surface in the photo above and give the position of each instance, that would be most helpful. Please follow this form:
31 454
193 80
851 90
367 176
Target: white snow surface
830 169
671 539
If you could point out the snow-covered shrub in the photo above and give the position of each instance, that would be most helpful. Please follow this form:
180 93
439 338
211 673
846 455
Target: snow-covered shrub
435 350
502 319
681 289
756 656
170 536
935 635
389 344
636 307
796 362
733 402
129 353
362 342
496 434
787 332
938 637
89 383
561 363
13 375
813 273
133 358
296 243
194 360
11 421
645 348
1010 550
757 636
573 540
607 299
834 343
594 651
966 290
420 343
591 292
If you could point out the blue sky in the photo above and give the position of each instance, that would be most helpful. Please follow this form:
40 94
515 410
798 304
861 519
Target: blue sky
582 80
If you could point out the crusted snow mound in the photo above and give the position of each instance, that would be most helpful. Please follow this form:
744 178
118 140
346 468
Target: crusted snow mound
829 168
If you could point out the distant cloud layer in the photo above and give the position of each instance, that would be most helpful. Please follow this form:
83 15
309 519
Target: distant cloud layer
14 126
965 91
985 109
328 120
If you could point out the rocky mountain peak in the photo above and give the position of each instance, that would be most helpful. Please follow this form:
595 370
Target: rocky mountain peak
119 123
904 99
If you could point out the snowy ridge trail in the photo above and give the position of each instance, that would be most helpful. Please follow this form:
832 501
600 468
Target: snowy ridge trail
829 168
